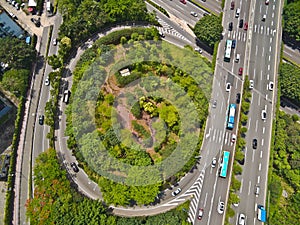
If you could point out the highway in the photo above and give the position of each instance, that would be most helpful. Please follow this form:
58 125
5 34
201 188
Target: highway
262 68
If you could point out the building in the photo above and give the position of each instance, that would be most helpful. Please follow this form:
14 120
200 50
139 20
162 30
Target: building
8 27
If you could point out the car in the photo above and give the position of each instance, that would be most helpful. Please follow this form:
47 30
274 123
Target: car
236 204
230 26
267 2
237 12
238 98
200 214
214 105
237 58
161 34
242 219
245 26
54 41
213 162
251 84
256 190
254 143
241 71
74 167
36 22
176 192
263 114
17 6
194 14
232 5
228 86
264 17
233 44
47 81
41 119
271 86
221 207
233 138
197 49
183 1
241 23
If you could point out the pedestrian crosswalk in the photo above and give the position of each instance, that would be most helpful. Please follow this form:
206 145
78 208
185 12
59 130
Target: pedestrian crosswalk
166 28
218 136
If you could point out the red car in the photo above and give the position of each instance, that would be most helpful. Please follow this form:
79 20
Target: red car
246 26
232 5
240 71
183 1
200 215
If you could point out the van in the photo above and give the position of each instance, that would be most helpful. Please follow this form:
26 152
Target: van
264 17
237 58
66 96
237 12
261 213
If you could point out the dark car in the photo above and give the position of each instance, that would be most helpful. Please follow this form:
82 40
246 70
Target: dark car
241 71
36 22
254 143
241 23
74 167
246 26
232 5
230 26
238 98
233 44
41 119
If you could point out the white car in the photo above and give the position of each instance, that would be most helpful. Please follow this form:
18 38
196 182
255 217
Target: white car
263 114
194 14
197 49
267 2
214 163
47 81
221 207
242 219
174 193
271 86
228 86
251 84
233 138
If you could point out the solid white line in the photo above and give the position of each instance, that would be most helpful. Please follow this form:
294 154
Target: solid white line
259 167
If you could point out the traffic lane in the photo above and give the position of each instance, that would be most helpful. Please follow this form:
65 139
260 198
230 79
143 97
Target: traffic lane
214 6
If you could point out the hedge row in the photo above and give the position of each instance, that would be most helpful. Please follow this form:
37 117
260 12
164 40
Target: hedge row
10 194
161 9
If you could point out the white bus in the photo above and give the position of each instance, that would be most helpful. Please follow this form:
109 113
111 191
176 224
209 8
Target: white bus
228 47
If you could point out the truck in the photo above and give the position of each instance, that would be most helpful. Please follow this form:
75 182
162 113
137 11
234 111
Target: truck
261 214
48 6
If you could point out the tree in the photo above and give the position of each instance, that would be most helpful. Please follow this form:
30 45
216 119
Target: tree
16 81
208 29
291 15
54 61
16 53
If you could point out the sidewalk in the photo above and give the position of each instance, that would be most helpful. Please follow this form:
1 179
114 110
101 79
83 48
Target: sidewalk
24 20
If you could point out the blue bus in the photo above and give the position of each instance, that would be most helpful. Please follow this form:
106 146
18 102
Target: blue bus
224 164
261 215
228 47
231 115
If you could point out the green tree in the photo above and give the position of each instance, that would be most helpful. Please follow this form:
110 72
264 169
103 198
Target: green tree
16 81
291 15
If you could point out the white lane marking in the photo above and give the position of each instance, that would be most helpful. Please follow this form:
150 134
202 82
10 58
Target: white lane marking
258 100
253 76
263 51
268 76
258 179
273 7
268 67
272 15
255 27
270 49
214 135
252 156
271 39
262 142
272 23
261 152
268 31
244 35
260 8
234 34
259 167
261 75
264 130
241 189
256 49
249 187
261 29
269 57
256 125
249 122
239 37
205 199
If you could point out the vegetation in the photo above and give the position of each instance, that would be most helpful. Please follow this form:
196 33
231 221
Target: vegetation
291 15
289 76
161 9
56 202
209 29
285 172
83 18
